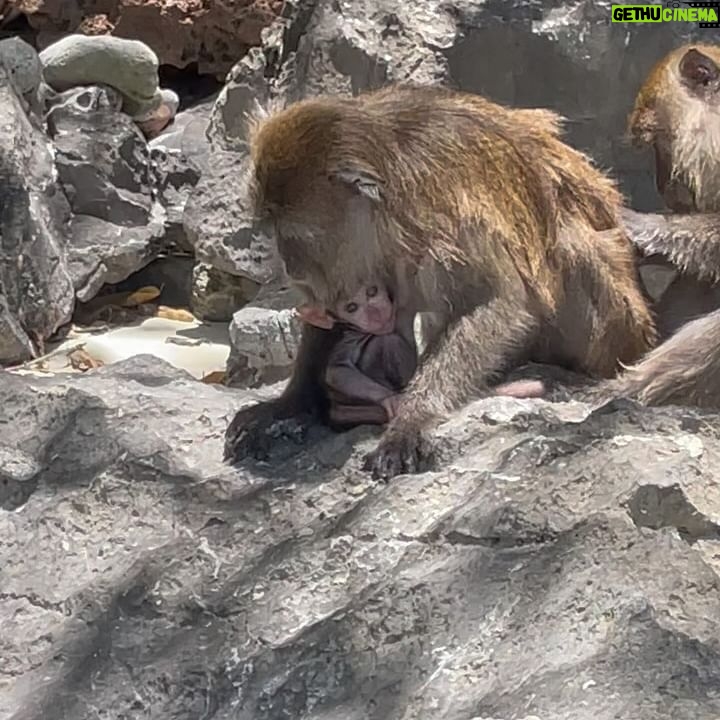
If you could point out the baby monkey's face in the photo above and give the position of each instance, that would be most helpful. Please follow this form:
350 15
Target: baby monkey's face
370 310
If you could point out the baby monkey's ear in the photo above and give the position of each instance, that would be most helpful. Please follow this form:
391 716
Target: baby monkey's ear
315 315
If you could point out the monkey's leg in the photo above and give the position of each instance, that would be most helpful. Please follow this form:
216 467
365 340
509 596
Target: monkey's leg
690 242
456 367
520 389
344 417
254 429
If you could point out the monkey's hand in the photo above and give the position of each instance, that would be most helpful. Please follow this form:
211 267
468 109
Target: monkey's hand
255 429
402 449
391 405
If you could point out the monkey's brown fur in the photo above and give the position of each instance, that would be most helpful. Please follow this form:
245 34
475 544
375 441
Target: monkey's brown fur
677 112
684 370
475 212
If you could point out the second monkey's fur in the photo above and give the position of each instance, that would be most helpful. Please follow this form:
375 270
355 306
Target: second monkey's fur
677 113
474 212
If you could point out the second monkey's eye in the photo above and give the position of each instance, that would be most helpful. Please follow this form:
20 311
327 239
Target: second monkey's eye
351 308
372 291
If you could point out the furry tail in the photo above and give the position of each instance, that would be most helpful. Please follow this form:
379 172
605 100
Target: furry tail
684 370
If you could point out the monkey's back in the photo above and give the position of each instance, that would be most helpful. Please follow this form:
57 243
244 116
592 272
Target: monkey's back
478 196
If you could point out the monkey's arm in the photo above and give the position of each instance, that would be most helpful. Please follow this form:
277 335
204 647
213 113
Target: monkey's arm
457 365
690 242
254 429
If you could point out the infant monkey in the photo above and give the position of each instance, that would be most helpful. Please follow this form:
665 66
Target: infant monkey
372 361
376 357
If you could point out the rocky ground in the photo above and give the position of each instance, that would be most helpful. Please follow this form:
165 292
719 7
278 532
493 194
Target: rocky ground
556 565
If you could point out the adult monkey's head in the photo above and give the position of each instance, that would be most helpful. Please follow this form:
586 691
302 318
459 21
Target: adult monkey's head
677 113
319 182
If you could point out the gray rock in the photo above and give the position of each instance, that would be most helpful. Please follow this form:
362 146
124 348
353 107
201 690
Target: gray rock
174 178
168 98
216 295
128 201
217 220
18 477
264 338
188 134
246 88
557 566
36 294
102 252
101 157
23 67
219 225
130 66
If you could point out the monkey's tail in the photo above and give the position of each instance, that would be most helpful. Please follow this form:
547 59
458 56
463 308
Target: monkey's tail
684 370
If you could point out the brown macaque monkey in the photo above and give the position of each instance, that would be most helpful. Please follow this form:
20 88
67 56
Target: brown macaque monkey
677 113
477 213
375 358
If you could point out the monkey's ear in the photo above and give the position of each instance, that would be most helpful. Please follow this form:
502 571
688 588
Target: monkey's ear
315 315
362 181
697 69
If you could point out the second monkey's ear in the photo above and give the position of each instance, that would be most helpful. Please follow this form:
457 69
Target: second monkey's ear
363 182
315 315
697 69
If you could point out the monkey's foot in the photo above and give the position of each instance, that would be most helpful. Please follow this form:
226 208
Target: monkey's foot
254 430
402 449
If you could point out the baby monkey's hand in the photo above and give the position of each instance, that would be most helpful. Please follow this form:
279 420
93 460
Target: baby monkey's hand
391 405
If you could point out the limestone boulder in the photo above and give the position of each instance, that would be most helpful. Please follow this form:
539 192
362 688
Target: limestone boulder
556 564
102 158
23 67
129 66
36 292
264 338
219 224
127 198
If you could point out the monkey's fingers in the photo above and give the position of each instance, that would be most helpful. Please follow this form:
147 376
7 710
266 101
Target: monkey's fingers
246 437
254 430
401 451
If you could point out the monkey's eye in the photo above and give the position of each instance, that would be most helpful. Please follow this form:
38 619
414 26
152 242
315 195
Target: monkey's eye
351 308
372 291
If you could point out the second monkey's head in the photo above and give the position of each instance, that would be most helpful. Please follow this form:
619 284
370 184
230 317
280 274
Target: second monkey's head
370 310
677 113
